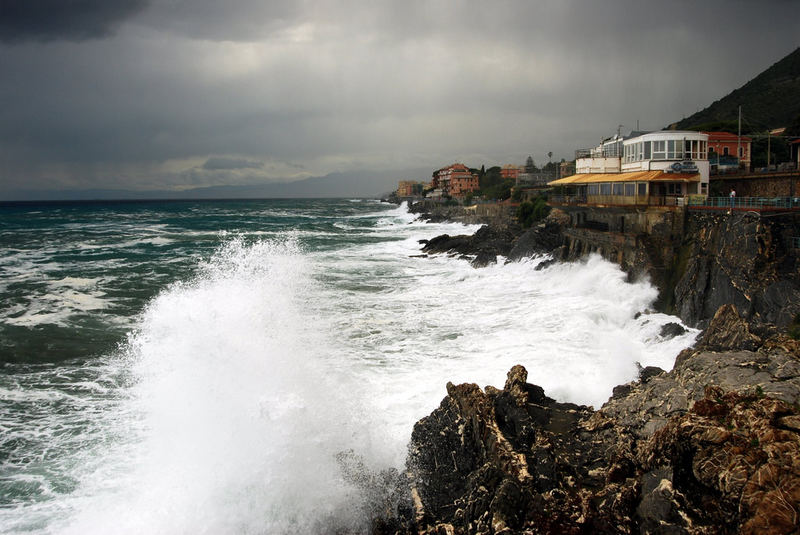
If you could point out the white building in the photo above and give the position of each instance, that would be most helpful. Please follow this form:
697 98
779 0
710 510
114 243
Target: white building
671 151
653 169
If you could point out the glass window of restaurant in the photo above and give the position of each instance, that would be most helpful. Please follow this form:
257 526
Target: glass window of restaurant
659 150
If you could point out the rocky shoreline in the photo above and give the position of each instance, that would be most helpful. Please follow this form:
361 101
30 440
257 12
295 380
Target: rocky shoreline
713 446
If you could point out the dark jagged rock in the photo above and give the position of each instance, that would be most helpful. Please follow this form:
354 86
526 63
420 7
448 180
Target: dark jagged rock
646 373
507 239
667 454
671 330
484 246
742 260
729 331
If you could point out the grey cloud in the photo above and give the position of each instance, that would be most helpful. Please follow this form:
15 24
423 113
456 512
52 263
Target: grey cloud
333 86
221 163
51 20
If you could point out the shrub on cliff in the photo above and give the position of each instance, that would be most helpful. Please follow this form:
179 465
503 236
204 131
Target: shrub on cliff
530 212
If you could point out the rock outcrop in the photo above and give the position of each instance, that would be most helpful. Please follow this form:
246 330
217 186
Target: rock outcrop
742 259
481 248
711 447
508 240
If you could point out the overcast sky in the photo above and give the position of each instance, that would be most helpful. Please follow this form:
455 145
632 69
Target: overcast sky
173 94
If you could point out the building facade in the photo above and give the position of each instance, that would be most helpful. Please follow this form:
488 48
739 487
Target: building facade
726 147
455 180
643 169
409 188
510 171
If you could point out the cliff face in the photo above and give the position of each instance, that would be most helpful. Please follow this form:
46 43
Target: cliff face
699 261
668 454
742 259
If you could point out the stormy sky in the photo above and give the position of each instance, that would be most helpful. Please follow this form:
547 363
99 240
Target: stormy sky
177 94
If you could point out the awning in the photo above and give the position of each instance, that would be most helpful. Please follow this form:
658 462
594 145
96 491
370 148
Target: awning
638 176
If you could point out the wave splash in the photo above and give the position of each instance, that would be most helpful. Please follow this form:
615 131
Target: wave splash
263 394
239 421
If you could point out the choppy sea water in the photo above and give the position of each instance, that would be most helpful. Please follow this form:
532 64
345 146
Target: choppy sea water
198 367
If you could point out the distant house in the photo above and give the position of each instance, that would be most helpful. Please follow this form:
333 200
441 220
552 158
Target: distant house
729 150
566 169
643 169
409 188
510 171
455 180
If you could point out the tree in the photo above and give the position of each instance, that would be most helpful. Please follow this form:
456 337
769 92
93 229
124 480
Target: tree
530 166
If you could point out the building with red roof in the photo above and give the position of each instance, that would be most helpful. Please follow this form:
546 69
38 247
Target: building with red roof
455 180
725 144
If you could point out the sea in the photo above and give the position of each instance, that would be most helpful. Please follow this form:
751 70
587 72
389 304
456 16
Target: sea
190 367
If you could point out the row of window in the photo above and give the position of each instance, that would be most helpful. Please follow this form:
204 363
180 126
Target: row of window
668 149
627 189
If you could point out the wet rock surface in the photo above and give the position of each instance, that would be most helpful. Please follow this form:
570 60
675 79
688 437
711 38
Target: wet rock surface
712 446
744 260
481 248
507 239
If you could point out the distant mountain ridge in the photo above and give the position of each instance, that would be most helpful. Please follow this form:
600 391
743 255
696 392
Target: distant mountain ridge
770 100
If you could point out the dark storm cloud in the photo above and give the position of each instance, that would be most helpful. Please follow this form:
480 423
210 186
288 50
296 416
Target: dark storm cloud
190 92
70 20
217 164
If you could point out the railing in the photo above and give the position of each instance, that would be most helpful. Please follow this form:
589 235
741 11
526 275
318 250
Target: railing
746 203
566 199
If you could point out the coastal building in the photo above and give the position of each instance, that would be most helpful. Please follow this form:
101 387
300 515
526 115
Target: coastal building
455 180
728 151
659 168
510 171
409 188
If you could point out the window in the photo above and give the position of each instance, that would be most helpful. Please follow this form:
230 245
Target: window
703 188
630 189
659 150
605 189
674 149
642 186
619 188
639 151
593 189
646 150
725 151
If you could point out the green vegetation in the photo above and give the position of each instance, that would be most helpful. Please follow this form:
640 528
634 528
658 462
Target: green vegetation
768 101
492 185
530 212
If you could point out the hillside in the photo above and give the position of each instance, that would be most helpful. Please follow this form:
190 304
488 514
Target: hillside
768 101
